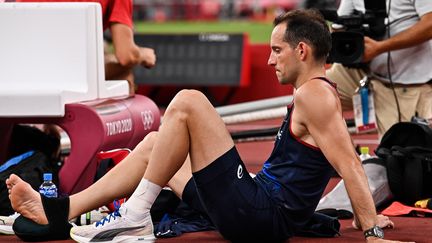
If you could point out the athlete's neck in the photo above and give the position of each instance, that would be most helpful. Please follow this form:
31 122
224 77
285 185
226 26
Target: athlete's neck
309 74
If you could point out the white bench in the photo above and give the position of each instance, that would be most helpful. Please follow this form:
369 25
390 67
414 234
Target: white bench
52 72
51 54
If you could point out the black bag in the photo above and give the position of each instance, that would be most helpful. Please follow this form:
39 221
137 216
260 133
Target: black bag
407 150
25 138
31 170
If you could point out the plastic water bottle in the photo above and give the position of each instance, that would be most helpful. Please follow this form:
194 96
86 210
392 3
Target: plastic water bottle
364 94
364 153
48 188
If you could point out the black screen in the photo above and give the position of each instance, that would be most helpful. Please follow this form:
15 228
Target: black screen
192 59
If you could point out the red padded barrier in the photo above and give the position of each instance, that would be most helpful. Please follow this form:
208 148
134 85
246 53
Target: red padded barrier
93 127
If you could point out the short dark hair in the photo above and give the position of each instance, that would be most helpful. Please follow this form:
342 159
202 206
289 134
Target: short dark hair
307 25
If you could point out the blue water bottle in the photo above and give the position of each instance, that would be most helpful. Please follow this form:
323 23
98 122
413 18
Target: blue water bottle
48 188
364 96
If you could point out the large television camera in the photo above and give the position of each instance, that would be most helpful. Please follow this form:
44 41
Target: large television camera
349 31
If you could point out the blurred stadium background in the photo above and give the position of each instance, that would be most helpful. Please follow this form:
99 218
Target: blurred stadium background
251 16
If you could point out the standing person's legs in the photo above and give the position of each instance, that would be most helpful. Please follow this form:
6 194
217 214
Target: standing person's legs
347 80
411 99
424 105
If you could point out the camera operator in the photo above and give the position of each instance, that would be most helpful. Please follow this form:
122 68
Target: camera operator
399 65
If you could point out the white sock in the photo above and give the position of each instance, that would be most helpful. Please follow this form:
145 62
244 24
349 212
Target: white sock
142 199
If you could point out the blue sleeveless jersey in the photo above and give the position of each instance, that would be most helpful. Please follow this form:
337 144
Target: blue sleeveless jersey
295 175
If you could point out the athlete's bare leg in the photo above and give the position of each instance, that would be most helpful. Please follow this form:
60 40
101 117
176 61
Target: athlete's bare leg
119 182
191 126
189 113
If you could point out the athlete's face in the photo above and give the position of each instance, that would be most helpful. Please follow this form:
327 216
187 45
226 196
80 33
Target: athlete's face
282 56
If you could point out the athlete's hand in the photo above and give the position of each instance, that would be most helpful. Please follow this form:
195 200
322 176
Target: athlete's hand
383 222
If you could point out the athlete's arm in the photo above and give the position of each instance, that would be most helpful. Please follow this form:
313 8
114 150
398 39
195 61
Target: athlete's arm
317 108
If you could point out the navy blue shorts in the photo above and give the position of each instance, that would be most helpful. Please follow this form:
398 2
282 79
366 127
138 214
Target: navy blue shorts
238 206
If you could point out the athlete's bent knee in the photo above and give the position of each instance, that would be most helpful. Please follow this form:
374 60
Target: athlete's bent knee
184 103
188 100
146 145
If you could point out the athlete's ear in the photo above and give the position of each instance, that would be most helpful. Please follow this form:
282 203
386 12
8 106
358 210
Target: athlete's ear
302 50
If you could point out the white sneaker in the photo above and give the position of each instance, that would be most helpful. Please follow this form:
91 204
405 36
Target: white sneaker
6 223
116 227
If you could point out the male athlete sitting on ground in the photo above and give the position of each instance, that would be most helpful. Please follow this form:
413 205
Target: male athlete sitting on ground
275 204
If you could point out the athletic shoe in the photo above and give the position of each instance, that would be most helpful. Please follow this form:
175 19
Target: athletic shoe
116 227
6 223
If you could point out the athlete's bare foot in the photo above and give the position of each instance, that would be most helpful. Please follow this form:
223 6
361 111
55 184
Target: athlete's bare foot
25 200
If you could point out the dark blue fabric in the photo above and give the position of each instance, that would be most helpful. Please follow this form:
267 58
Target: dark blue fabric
173 225
240 209
295 175
320 225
